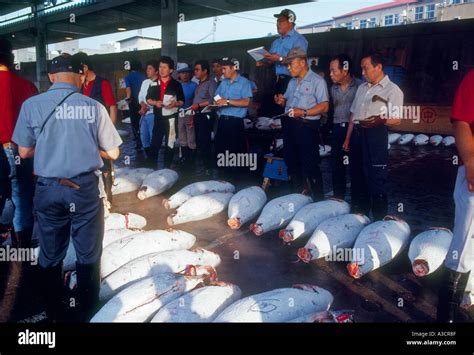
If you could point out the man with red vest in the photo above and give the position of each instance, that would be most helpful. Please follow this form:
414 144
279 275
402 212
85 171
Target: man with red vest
16 174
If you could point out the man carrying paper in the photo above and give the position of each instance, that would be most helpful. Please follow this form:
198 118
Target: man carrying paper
288 39
165 95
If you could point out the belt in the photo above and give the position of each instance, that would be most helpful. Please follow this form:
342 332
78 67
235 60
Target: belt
342 124
68 182
227 117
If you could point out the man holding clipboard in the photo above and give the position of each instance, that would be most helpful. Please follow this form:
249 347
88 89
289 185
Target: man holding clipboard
287 40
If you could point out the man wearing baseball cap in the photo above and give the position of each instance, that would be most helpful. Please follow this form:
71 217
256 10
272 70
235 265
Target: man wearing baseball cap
305 99
16 175
288 39
68 134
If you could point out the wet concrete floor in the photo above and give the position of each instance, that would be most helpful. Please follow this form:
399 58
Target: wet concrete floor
421 184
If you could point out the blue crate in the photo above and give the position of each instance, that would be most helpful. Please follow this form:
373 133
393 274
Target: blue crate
276 169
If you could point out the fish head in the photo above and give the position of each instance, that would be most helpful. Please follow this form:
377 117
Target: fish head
304 254
420 267
256 228
354 270
286 235
234 223
307 287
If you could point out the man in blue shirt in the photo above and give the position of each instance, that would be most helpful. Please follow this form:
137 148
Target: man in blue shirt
186 133
68 134
288 39
133 83
233 98
305 100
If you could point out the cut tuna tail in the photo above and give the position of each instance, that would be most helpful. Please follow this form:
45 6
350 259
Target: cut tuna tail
166 204
440 229
336 199
420 267
285 235
201 270
256 229
169 220
393 218
141 193
354 270
234 223
304 255
306 287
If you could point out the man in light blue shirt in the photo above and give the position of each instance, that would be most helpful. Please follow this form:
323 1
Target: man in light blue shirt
305 100
233 97
288 39
68 134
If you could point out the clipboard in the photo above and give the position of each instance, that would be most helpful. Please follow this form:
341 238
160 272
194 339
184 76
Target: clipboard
258 53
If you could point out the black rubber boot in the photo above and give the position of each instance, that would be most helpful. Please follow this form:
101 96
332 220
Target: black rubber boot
168 158
183 161
151 157
88 286
450 295
379 206
22 239
316 188
53 292
192 158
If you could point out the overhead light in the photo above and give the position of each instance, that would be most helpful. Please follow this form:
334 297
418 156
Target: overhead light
13 35
121 29
68 38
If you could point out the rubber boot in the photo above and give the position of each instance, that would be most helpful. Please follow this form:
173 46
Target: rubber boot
315 188
192 158
168 158
88 286
53 292
151 157
379 206
182 162
450 295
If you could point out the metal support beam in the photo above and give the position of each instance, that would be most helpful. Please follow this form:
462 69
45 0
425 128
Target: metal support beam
169 28
42 82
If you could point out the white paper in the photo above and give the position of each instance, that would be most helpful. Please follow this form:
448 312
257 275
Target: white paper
168 99
258 53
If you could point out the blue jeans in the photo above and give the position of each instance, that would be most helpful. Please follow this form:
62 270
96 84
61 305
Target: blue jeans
20 177
146 129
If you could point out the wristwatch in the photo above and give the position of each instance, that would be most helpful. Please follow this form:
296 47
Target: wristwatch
227 102
281 59
305 113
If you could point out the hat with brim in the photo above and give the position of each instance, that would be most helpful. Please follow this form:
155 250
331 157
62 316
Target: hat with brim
228 61
290 15
293 54
65 63
184 70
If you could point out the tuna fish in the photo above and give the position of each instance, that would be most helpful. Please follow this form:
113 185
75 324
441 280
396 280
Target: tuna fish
156 263
126 249
245 205
248 123
393 138
378 244
140 301
406 138
112 235
129 180
310 216
280 305
127 220
278 213
267 124
195 189
200 207
324 150
428 250
421 139
200 305
448 141
331 235
436 140
157 182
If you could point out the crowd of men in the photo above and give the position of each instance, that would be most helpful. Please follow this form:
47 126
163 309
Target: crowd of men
203 110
